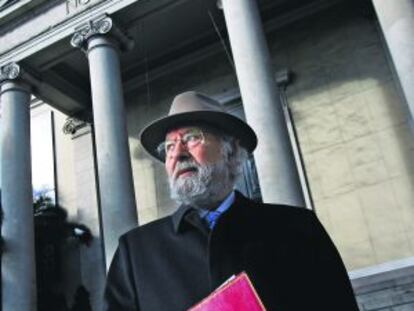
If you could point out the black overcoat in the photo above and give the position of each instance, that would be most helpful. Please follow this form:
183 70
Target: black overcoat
174 262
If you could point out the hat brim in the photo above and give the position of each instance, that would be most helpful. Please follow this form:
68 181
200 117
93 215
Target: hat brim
154 134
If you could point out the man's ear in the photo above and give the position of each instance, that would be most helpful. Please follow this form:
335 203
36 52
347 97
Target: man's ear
236 145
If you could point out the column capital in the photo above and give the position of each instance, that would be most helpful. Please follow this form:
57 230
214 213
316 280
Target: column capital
19 77
103 25
11 71
77 122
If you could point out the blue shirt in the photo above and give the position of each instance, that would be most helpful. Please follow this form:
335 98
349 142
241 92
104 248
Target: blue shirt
211 216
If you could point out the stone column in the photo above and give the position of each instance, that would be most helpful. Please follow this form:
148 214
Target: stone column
18 254
100 40
278 176
396 18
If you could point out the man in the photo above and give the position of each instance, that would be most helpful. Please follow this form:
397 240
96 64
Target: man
174 262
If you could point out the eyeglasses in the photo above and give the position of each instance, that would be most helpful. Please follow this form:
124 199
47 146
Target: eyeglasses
189 139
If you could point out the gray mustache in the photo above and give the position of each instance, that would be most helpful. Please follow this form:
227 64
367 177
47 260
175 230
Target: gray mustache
185 165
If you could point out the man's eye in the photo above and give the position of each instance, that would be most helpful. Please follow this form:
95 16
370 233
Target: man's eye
191 137
169 146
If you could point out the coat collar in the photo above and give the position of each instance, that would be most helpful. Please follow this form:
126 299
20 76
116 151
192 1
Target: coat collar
179 218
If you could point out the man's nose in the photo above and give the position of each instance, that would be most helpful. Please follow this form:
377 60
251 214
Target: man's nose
180 152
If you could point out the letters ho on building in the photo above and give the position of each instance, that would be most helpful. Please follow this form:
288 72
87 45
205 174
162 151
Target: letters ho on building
80 78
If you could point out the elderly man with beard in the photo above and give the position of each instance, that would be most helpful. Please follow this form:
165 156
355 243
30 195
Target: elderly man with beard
174 262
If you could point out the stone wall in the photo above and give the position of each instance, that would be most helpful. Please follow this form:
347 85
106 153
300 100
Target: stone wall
355 138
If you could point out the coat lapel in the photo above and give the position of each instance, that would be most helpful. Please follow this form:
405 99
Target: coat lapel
228 241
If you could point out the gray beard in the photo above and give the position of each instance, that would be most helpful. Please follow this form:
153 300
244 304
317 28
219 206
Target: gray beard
205 188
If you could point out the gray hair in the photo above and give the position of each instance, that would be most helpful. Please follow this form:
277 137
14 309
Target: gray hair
234 154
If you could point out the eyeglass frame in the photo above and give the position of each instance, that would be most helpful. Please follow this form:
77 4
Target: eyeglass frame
162 149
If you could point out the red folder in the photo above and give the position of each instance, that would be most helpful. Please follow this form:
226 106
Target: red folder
238 294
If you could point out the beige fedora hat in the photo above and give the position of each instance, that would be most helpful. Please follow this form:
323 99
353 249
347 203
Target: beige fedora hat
193 108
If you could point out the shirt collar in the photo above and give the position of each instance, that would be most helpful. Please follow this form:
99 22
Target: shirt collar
224 206
178 216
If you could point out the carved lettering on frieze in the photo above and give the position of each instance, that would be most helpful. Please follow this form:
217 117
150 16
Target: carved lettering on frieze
74 5
3 3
